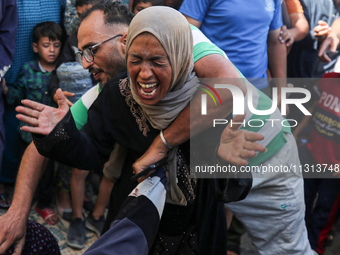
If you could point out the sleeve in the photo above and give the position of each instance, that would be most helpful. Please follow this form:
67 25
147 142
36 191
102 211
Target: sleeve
18 92
79 109
277 18
72 147
294 6
195 9
90 148
8 30
203 46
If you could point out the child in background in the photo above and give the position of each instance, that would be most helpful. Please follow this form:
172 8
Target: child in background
320 157
138 5
33 83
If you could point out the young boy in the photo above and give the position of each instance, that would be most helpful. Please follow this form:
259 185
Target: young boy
320 156
138 5
34 76
32 83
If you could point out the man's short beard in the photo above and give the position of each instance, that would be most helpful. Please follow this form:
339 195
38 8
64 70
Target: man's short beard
117 64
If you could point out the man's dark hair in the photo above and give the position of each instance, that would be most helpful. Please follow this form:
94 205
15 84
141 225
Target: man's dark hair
85 2
49 29
153 2
114 12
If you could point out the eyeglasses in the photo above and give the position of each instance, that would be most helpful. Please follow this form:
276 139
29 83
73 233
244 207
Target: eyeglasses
88 53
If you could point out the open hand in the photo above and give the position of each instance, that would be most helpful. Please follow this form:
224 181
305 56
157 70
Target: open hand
236 146
42 118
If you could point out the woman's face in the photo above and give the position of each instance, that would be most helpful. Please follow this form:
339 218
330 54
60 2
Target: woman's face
149 68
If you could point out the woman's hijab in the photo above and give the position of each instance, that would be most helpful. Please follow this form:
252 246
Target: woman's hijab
174 33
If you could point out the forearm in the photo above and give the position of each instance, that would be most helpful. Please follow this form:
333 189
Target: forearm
300 27
277 60
30 171
190 121
336 28
66 144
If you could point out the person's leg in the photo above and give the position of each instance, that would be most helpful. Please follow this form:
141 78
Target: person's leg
78 192
326 236
273 212
76 236
63 201
327 194
95 221
235 232
45 193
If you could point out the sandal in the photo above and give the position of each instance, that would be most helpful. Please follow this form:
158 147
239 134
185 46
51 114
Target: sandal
5 201
46 214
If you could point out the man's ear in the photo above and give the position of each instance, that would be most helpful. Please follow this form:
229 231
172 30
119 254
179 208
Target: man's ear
35 47
123 41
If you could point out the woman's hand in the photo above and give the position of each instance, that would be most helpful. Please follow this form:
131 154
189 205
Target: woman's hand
42 118
236 146
155 153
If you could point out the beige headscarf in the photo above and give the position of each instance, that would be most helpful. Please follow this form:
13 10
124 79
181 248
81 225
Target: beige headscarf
174 33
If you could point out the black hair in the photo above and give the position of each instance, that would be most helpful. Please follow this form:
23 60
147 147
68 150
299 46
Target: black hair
153 2
50 29
85 2
114 12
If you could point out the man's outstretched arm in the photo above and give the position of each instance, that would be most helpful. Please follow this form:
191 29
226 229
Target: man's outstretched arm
13 222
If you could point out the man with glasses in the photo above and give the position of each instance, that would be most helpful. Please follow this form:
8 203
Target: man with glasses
76 237
104 58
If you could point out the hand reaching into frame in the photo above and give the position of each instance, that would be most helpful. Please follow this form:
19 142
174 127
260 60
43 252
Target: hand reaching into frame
322 30
286 37
66 94
42 118
236 146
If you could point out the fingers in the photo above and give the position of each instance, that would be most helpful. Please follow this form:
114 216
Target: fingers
69 103
28 112
19 246
33 105
252 136
143 178
325 46
61 100
4 246
322 29
28 120
68 94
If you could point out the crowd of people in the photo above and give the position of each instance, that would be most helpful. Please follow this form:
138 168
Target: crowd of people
112 89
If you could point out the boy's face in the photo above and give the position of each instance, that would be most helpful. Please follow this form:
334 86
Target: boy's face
47 49
140 6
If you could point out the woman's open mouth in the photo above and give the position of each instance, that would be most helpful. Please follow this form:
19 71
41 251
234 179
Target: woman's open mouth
148 90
